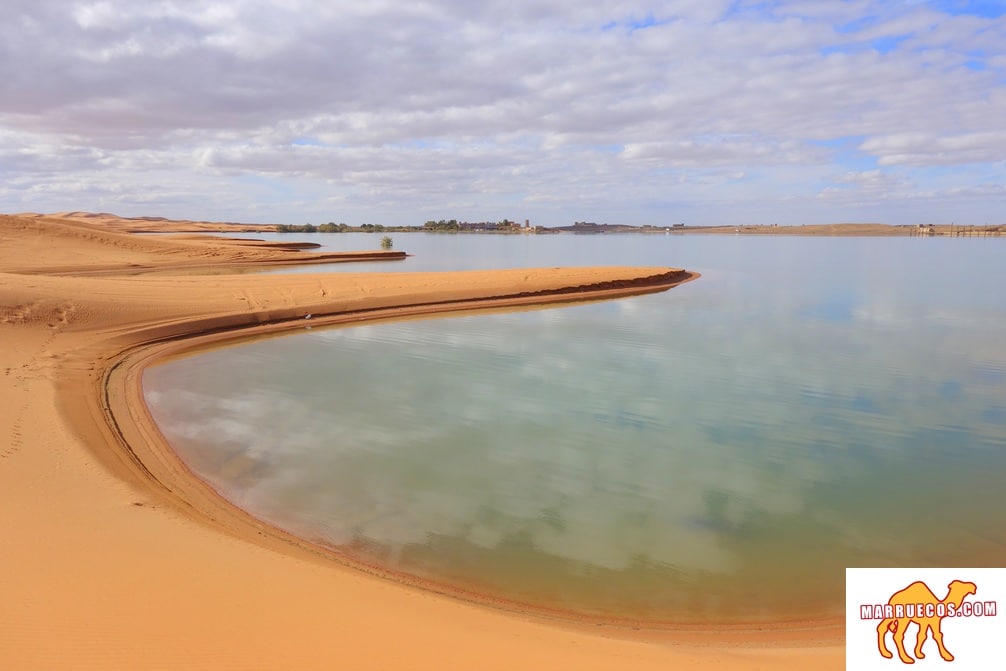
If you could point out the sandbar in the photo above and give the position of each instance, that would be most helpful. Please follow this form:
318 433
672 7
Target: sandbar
115 557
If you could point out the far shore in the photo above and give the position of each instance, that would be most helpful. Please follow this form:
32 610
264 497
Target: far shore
846 229
118 558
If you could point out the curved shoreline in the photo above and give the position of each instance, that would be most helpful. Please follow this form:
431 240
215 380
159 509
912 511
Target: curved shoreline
154 460
116 568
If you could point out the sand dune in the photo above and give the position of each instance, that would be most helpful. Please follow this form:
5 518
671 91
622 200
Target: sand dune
91 249
152 224
116 558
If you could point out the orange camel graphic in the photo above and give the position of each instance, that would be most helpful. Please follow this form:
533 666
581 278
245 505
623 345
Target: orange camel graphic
917 603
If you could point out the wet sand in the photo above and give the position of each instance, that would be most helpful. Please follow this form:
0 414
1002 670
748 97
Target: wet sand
117 558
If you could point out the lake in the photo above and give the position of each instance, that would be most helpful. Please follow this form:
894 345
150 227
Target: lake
717 453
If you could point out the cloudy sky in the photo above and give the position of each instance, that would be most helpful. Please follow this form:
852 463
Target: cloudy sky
399 111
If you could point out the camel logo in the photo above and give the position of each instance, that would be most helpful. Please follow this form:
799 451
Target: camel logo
914 624
917 604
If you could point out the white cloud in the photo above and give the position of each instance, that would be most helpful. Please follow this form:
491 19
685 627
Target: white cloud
95 15
921 148
527 107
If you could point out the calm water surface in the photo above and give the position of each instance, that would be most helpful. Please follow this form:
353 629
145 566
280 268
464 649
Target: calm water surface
721 451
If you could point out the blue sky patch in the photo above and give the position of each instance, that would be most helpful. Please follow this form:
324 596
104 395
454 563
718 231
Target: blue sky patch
887 44
846 151
633 24
991 9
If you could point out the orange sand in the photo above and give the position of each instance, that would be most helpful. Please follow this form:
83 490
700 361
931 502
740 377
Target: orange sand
114 557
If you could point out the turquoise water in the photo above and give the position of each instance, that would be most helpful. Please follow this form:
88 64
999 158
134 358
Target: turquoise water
718 452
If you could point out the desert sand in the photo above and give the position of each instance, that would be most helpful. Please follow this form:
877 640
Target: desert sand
115 557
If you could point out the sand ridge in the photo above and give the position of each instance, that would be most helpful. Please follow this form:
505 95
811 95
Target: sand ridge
90 248
122 560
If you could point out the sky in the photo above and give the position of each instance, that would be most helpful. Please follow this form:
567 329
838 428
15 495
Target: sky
396 112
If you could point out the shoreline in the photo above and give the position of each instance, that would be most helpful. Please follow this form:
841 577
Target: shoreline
114 559
122 390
